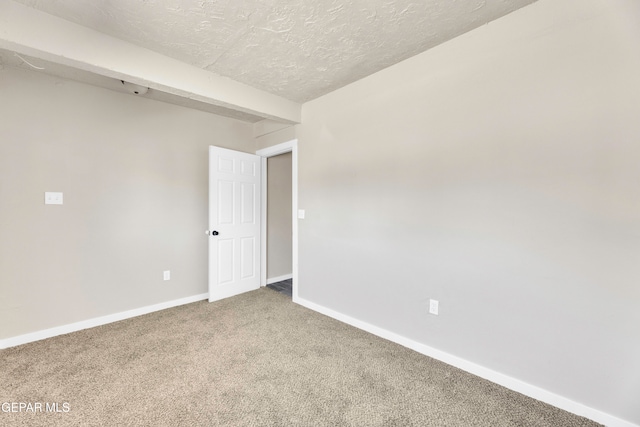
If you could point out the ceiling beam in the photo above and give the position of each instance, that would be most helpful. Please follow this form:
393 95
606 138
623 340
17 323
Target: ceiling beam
34 33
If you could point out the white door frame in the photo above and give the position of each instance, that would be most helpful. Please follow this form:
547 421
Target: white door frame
265 153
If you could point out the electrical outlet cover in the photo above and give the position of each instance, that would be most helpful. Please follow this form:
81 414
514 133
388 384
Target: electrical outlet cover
52 198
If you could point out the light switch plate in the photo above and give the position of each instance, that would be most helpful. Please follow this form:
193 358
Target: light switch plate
52 198
300 213
433 306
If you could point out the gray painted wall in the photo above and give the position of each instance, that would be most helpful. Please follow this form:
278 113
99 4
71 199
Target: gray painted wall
134 176
498 173
279 260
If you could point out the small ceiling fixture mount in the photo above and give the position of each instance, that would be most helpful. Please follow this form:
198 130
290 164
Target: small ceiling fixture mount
134 88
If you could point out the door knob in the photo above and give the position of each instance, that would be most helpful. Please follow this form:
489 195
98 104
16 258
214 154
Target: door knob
214 233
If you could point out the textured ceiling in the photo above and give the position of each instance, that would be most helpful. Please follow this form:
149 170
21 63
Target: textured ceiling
298 49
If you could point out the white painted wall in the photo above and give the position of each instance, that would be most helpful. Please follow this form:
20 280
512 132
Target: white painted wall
498 173
275 138
134 176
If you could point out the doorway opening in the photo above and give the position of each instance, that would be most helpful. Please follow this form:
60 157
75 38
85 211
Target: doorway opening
279 223
279 254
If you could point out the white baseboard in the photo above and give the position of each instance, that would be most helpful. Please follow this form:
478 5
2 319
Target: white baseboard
473 368
97 321
279 279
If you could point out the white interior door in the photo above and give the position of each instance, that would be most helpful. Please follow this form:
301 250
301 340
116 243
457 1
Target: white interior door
234 222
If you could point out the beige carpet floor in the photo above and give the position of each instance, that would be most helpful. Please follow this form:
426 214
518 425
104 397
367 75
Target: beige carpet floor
252 360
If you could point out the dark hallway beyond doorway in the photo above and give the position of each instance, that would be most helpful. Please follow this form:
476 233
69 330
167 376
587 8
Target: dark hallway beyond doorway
284 287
